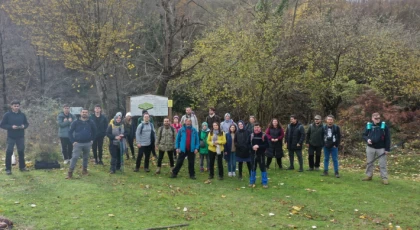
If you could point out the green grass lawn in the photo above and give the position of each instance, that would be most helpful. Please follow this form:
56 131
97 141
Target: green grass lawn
142 200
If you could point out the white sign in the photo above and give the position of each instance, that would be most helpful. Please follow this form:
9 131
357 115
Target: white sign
155 105
76 110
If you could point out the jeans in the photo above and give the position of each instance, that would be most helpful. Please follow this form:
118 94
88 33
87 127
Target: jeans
334 153
146 150
371 153
80 148
66 148
170 155
317 150
212 156
292 158
202 157
20 145
231 162
180 161
97 146
115 157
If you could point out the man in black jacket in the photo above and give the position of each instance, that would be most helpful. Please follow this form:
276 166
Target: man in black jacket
212 117
295 135
82 133
332 138
101 123
378 139
15 123
315 142
258 144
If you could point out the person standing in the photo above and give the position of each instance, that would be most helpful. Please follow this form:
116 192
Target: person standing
116 133
213 117
295 135
250 125
241 141
64 120
332 137
176 125
216 141
378 139
145 137
82 133
258 143
230 151
275 134
15 123
225 125
315 142
204 147
130 135
187 144
189 114
101 123
165 143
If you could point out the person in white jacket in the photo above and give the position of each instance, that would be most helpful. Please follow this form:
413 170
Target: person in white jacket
190 114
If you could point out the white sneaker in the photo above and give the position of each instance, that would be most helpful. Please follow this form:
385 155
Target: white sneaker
233 174
230 174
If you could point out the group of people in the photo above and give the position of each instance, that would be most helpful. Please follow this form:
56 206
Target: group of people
216 139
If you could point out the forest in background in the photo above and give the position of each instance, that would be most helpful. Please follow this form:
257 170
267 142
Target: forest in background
269 58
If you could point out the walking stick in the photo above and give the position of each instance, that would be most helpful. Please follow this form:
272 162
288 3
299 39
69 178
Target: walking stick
122 154
393 147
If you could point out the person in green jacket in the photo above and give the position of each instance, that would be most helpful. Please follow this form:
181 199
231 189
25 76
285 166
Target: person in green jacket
64 120
204 151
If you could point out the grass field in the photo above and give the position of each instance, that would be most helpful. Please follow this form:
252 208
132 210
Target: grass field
43 199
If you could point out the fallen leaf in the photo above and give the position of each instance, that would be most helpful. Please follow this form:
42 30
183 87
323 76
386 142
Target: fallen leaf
314 226
356 210
223 196
297 208
271 214
33 205
185 209
17 202
111 215
207 182
178 208
262 214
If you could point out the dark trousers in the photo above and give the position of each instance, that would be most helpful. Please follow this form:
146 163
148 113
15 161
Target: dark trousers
146 150
115 157
317 150
260 160
180 161
170 155
292 158
130 141
97 147
278 160
153 150
66 148
20 145
213 156
240 165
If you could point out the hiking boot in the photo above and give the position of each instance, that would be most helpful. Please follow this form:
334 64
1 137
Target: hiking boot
300 170
240 177
316 168
325 173
112 172
147 170
251 185
69 175
100 162
84 171
211 177
134 157
8 172
220 178
136 170
385 182
172 175
367 178
193 177
24 170
265 186
310 169
157 170
291 168
96 162
337 175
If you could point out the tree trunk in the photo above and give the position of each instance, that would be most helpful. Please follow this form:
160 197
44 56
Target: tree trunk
101 89
3 73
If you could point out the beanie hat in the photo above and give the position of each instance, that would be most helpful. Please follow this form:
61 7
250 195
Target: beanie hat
176 117
227 114
119 114
204 123
128 114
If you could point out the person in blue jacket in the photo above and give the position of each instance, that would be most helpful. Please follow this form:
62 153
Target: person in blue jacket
187 145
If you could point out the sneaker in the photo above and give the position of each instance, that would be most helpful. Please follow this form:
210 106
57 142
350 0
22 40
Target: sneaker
8 172
300 170
265 186
337 175
385 182
147 170
192 177
24 170
325 173
201 169
172 175
111 172
310 169
211 177
229 174
136 170
316 168
291 168
220 178
233 174
251 185
96 162
367 178
101 163
66 162
239 177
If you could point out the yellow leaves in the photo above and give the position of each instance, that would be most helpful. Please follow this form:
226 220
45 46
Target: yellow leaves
223 196
131 66
111 215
